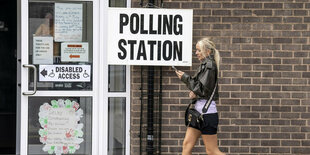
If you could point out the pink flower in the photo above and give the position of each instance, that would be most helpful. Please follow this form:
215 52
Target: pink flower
47 106
65 149
43 139
76 106
69 133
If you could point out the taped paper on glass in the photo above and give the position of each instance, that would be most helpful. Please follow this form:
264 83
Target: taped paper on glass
68 22
61 132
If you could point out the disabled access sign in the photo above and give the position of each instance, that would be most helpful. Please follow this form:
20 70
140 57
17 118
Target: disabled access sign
65 73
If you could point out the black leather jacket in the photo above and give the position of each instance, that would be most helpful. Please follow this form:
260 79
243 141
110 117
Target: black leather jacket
203 82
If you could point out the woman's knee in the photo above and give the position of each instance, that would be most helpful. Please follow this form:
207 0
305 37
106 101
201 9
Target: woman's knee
190 138
188 144
187 148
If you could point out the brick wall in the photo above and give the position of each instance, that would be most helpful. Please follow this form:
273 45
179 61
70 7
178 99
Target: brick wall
265 85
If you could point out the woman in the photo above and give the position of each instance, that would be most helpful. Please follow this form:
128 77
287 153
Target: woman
47 29
201 86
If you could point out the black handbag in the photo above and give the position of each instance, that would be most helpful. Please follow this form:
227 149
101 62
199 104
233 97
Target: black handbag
194 117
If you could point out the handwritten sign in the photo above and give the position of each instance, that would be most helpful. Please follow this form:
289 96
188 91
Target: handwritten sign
74 52
61 133
42 50
68 22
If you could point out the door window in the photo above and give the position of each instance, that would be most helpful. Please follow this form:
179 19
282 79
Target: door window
59 125
61 45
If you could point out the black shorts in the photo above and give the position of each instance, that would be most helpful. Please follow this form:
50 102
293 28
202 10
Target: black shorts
210 124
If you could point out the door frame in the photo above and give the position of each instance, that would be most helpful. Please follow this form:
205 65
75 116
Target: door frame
103 116
22 105
99 93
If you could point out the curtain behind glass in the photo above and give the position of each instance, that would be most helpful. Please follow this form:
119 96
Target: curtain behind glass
117 3
117 78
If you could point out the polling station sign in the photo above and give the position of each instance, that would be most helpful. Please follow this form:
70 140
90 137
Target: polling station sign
155 37
65 73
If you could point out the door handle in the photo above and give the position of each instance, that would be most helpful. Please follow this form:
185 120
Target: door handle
34 80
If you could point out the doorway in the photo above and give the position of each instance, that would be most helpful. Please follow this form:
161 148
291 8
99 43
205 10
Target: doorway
8 33
99 94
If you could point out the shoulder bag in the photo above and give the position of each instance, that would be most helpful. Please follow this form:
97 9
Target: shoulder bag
194 117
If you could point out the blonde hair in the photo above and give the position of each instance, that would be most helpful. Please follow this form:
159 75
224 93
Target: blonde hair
205 44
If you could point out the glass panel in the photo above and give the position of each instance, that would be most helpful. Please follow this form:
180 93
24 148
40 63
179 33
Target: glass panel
117 126
117 78
117 3
60 125
7 87
61 44
8 80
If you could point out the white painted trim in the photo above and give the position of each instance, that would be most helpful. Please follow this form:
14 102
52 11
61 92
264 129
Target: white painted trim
128 4
24 78
42 1
128 103
128 109
64 93
103 83
95 92
104 86
124 94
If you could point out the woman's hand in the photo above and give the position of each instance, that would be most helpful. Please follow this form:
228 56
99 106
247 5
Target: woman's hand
192 95
179 73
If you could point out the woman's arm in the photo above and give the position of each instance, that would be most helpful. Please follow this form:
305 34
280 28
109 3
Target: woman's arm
204 84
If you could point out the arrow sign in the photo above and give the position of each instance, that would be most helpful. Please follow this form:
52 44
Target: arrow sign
65 73
44 72
74 52
74 56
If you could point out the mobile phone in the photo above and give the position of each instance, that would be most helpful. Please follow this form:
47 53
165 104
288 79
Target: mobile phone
175 69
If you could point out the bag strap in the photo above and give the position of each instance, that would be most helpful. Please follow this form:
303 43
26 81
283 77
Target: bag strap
208 103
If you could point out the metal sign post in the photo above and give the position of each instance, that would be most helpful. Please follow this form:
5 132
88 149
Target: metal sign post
150 105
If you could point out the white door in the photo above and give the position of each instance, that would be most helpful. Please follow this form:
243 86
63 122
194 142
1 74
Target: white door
59 54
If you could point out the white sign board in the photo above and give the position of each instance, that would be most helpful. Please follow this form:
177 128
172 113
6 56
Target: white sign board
156 37
68 22
74 52
61 132
42 50
65 73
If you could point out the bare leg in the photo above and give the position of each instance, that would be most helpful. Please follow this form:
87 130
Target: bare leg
190 139
210 142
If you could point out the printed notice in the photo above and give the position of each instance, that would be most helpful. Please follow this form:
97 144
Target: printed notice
42 50
60 131
68 22
74 52
65 73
